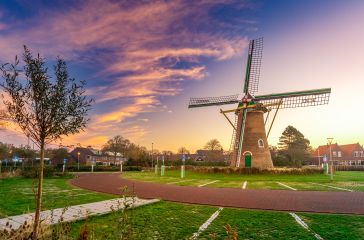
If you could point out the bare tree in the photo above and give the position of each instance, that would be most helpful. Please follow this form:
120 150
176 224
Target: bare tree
45 109
116 145
4 119
183 150
213 144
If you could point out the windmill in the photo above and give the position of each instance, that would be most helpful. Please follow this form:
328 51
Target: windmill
249 145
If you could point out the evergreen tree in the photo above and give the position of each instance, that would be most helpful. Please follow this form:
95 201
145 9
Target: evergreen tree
293 145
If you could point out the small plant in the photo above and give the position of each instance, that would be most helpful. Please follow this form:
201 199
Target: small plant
84 233
232 234
124 223
24 231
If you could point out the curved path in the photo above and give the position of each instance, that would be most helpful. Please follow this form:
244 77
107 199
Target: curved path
281 200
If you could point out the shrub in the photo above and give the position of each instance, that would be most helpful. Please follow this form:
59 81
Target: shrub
101 168
32 172
349 168
273 171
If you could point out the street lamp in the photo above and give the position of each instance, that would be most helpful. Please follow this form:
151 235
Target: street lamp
78 161
152 157
329 141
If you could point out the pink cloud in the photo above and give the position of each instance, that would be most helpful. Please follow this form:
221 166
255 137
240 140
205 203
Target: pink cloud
137 39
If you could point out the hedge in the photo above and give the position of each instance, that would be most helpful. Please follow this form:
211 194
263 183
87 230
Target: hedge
272 171
32 172
100 168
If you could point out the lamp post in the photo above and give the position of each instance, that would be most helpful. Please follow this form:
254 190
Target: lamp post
78 161
152 157
329 141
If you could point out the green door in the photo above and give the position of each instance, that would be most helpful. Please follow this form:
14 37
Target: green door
248 160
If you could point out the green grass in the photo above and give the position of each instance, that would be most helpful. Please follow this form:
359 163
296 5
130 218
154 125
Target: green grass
333 226
348 180
250 224
164 220
167 220
17 197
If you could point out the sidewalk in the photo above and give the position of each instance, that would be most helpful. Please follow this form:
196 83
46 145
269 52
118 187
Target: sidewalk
76 212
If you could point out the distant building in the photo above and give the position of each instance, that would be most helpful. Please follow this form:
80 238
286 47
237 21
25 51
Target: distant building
200 156
348 154
209 155
88 155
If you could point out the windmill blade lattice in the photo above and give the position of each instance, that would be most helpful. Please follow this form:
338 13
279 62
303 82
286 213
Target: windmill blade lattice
296 99
213 101
255 54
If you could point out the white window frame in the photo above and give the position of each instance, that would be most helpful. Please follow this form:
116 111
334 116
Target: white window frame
334 154
260 143
339 154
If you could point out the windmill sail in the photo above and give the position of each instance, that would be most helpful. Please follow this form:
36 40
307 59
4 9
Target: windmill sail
254 62
213 101
306 98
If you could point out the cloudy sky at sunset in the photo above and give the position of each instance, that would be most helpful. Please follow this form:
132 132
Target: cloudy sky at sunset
143 60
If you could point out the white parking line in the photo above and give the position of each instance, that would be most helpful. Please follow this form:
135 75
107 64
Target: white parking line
339 188
244 185
208 183
305 226
207 223
284 185
180 181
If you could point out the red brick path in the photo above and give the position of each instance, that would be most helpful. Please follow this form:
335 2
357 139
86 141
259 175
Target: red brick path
281 200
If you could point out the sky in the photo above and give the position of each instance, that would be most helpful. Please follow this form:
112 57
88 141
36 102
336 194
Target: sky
143 60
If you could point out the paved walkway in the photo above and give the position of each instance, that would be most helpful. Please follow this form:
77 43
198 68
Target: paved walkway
75 212
281 200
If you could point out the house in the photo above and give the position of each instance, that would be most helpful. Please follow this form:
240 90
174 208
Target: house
209 155
87 156
348 154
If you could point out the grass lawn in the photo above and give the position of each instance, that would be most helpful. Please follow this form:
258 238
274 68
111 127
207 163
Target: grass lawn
167 220
164 220
353 181
16 195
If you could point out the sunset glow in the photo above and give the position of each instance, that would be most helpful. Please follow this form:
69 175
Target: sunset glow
143 61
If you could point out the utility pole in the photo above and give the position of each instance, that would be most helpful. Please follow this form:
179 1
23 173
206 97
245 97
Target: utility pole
329 140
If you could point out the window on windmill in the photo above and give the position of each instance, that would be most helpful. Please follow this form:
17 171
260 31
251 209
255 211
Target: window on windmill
260 143
339 153
334 154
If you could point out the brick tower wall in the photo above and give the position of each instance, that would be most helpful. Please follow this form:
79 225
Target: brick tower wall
254 131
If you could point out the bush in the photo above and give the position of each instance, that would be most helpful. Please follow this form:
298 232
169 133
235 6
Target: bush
194 163
132 168
101 168
32 172
272 171
349 168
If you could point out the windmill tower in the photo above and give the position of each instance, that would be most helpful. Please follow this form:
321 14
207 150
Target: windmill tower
249 143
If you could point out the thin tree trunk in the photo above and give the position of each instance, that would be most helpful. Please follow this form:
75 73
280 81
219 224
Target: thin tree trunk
39 194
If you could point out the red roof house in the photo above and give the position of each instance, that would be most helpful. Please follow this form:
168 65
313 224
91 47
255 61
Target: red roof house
348 154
